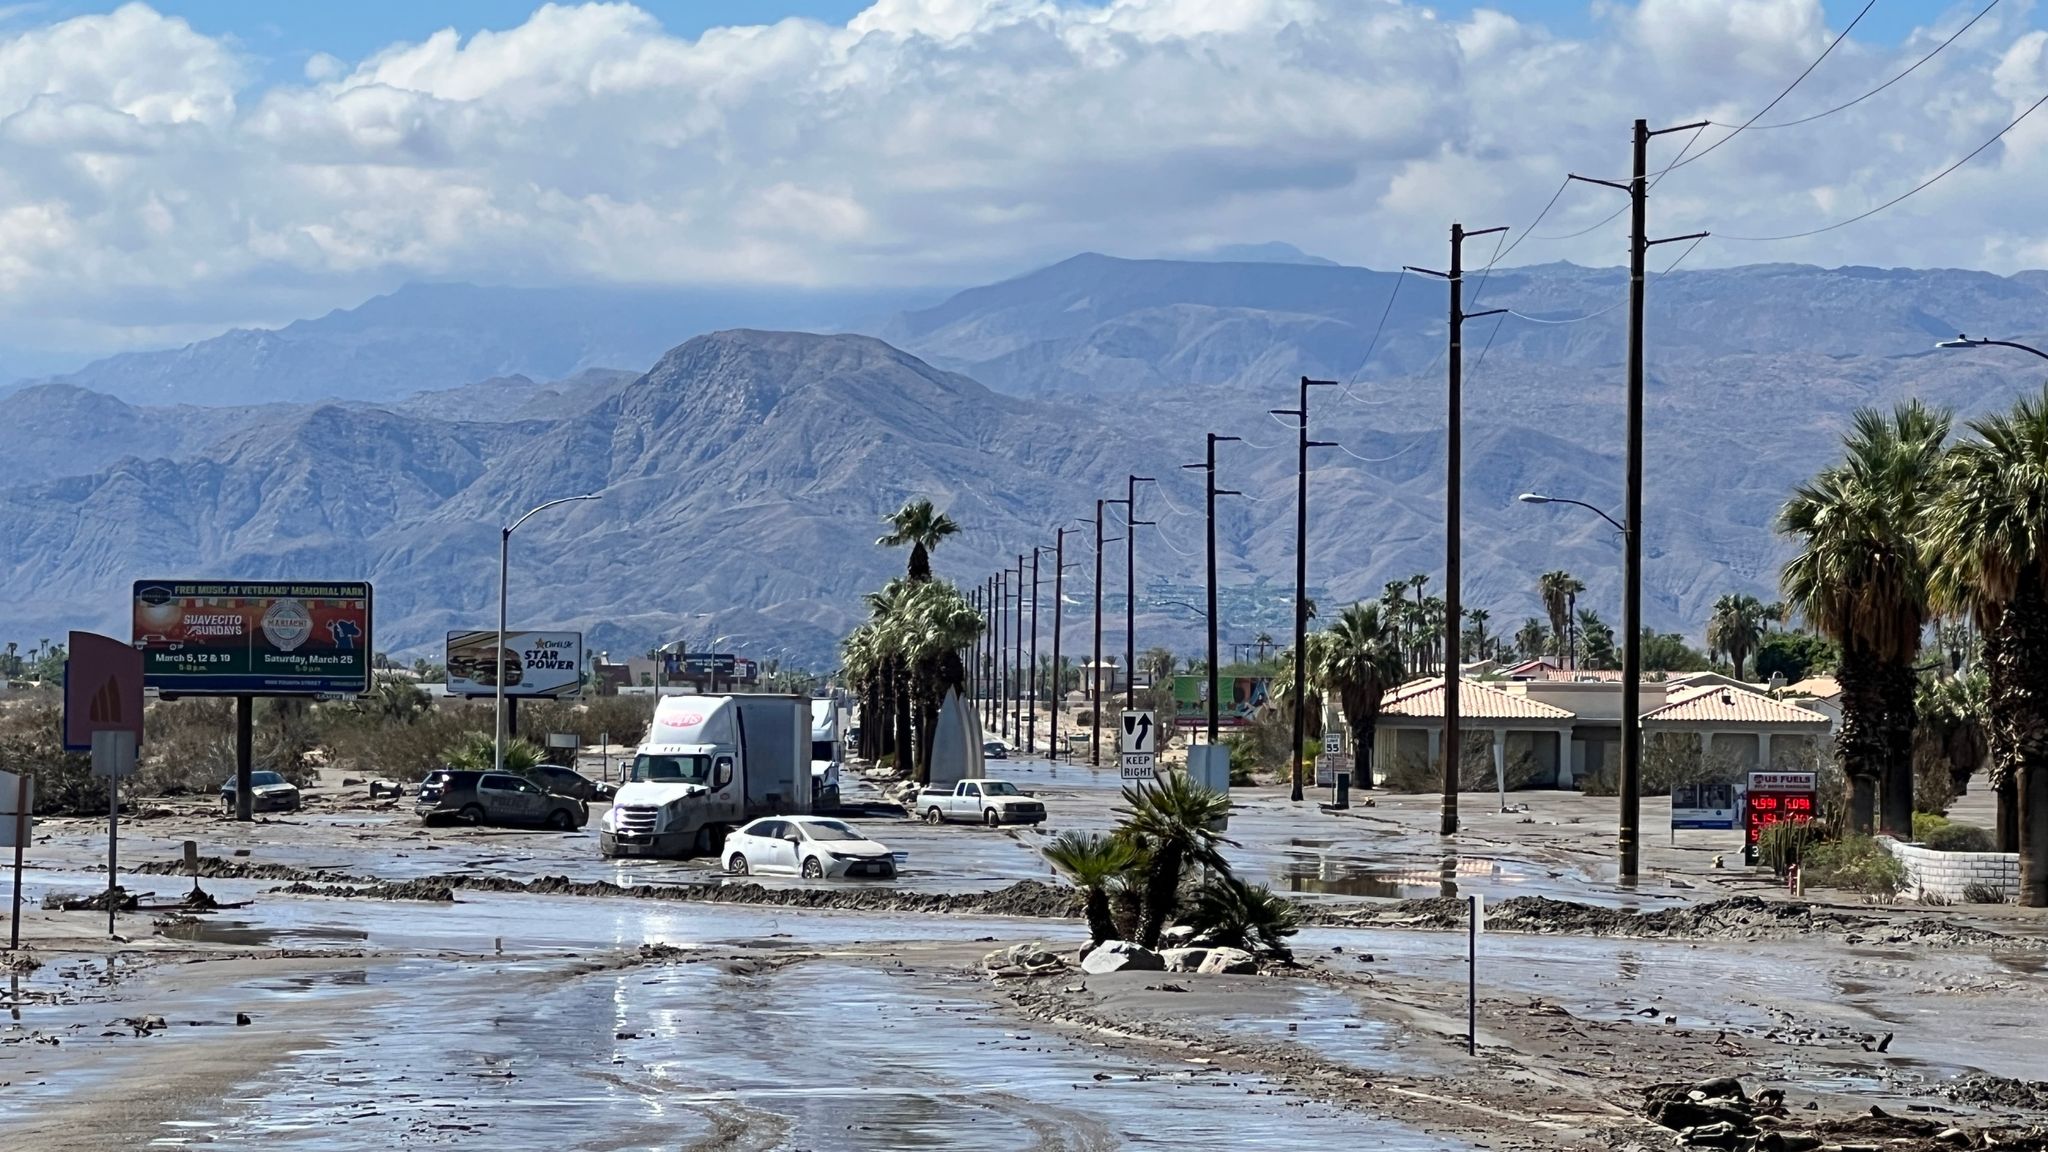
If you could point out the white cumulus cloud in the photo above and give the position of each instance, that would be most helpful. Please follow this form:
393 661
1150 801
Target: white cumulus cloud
151 187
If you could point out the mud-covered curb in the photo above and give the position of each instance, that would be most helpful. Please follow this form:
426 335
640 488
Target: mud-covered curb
1733 918
1027 898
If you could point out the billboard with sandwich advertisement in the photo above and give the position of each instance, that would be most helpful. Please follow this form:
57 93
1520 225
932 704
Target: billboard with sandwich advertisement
542 664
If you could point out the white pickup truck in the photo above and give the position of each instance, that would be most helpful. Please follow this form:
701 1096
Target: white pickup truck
992 802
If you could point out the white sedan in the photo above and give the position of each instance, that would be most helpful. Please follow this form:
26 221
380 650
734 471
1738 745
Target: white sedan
807 846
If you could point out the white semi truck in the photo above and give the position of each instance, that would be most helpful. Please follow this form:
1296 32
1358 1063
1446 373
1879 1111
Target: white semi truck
827 753
708 765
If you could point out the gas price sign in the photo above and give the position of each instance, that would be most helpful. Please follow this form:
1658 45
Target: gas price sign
1775 797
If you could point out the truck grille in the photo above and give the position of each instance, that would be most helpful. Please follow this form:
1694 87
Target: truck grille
638 819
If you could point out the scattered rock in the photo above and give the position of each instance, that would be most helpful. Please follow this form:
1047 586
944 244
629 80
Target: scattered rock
1178 936
144 1025
1184 959
241 1019
1234 961
2003 1091
1026 960
1121 956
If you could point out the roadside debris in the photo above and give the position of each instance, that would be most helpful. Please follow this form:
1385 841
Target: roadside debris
1718 1113
1033 959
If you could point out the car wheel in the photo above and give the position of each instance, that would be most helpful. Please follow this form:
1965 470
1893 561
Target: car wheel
992 818
471 814
737 865
813 870
932 815
560 820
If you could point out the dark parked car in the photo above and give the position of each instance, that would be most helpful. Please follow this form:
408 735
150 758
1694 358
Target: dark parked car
268 792
569 782
495 798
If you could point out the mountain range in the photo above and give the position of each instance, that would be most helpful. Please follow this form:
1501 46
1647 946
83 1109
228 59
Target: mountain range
746 472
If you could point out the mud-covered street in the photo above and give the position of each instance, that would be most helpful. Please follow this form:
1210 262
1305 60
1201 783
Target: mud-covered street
368 983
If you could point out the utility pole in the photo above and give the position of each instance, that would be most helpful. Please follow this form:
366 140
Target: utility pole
1303 444
1209 467
1095 672
1059 601
1017 659
1031 678
988 665
1131 526
1639 245
1003 624
1454 479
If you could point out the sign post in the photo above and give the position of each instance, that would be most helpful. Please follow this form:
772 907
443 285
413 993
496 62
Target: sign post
1472 974
113 756
17 800
1776 797
1138 741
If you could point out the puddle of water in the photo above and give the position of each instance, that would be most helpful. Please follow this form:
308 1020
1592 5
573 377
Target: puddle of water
1330 1024
819 1056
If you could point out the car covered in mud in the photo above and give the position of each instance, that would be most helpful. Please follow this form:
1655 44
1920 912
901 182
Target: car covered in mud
569 782
810 846
268 792
500 798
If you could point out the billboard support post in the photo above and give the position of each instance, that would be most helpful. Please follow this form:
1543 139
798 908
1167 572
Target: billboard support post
245 756
504 558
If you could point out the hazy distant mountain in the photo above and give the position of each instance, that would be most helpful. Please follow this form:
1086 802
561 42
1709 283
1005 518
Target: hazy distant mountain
1271 252
436 336
1096 324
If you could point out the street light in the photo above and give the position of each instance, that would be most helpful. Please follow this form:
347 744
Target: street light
1630 791
504 559
1534 498
1963 341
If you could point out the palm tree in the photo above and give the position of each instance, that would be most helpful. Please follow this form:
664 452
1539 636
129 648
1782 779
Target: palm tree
1557 589
477 752
1174 823
922 527
1358 662
1530 639
1736 627
1095 863
1233 914
1861 579
1954 713
1988 540
1478 617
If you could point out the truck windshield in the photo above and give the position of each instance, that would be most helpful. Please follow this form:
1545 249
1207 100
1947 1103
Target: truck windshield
999 788
672 769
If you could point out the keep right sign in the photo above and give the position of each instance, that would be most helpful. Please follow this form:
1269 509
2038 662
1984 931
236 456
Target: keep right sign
1138 741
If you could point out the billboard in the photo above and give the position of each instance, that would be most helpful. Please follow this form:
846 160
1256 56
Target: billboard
547 664
1242 697
253 639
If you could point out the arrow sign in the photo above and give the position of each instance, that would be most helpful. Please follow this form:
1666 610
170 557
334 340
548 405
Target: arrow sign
1138 750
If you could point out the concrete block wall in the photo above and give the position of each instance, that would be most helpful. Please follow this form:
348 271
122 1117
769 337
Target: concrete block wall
1947 875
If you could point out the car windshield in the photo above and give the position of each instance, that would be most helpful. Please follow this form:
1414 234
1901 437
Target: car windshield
672 769
830 830
259 779
999 788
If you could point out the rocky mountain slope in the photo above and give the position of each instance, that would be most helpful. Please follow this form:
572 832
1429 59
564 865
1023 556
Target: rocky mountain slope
746 475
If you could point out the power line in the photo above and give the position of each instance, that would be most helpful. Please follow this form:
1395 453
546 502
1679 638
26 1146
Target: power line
1412 445
1881 87
1378 328
1923 186
1868 5
1654 181
1168 541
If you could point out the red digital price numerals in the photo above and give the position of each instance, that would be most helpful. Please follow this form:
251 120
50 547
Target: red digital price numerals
1772 807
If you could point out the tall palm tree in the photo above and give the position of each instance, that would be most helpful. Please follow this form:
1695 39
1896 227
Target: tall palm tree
922 527
929 625
1478 617
1174 822
1861 579
1557 589
1736 627
1359 662
1988 539
1095 863
1530 638
1158 664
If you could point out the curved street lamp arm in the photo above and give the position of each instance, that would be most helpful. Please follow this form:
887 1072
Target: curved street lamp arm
532 512
1532 498
1979 342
